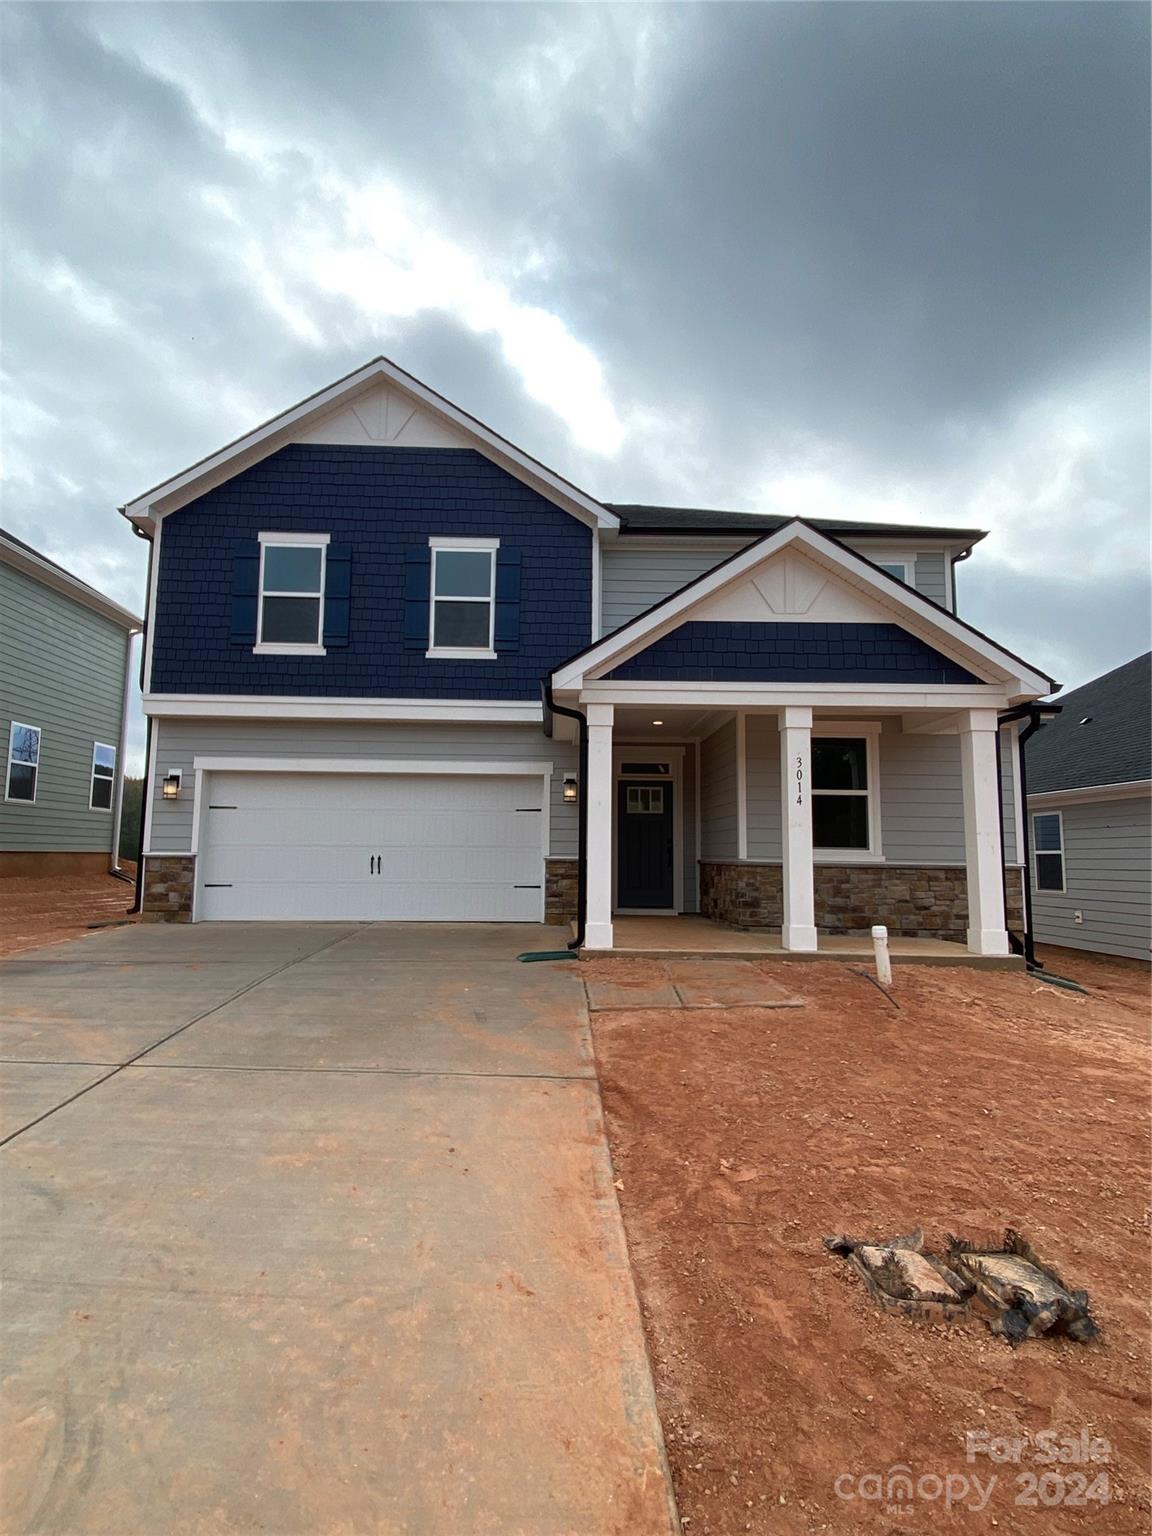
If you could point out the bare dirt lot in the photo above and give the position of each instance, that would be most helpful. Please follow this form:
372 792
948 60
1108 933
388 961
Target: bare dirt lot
986 1099
42 910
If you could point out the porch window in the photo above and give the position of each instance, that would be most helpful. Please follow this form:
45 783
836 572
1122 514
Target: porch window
841 817
1048 841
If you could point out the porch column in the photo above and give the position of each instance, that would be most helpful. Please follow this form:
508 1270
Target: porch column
599 790
979 743
799 930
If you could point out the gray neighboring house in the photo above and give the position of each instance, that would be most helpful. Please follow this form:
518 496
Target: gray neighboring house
1090 802
63 706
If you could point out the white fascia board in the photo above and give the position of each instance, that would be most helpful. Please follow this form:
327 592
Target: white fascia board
49 575
266 439
1131 789
891 698
362 765
908 608
238 707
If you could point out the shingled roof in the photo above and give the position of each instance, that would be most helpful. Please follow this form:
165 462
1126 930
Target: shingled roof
1104 735
644 519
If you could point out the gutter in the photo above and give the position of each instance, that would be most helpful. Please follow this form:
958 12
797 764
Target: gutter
1035 714
552 708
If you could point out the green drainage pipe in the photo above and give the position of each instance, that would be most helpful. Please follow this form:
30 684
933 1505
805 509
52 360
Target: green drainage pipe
546 954
1057 981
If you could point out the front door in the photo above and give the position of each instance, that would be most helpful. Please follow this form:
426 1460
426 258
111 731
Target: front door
644 842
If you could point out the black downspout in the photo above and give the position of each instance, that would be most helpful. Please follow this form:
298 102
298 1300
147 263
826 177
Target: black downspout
552 708
138 903
1033 713
1015 943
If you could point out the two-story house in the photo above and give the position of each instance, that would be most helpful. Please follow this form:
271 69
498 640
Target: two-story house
398 669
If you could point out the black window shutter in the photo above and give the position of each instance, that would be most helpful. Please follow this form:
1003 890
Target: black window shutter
245 592
417 592
507 628
337 594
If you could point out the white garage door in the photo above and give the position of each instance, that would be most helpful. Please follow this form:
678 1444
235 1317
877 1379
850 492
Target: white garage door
439 847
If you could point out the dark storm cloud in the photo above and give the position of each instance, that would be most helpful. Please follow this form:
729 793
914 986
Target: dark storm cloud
857 259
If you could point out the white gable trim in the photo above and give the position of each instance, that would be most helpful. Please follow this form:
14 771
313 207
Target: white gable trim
274 434
914 613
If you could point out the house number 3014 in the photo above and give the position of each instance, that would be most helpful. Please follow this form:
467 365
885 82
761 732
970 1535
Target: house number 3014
799 781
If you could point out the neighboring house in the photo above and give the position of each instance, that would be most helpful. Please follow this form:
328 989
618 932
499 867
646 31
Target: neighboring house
378 632
63 703
1089 775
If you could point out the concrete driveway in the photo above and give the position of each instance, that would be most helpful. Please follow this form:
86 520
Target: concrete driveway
309 1230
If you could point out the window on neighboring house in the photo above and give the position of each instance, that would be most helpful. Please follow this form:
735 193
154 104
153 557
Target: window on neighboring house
1048 850
23 762
897 568
291 612
103 775
841 794
463 603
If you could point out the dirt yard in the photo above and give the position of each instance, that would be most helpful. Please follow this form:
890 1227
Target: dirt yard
985 1099
40 911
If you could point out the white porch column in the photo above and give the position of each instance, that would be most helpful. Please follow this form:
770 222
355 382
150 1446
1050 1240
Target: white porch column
600 792
799 930
979 743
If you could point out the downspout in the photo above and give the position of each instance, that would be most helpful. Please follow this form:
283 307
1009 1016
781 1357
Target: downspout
552 708
1035 715
118 803
138 904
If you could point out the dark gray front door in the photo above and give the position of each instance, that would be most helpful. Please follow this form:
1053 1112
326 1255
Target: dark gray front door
644 844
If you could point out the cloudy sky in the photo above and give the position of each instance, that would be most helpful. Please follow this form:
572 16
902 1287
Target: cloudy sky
858 260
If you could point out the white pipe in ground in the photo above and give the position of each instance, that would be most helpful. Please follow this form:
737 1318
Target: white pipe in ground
883 958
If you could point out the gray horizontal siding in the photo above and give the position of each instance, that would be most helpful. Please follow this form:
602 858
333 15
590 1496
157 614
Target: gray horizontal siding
762 744
635 576
62 670
1107 878
179 742
718 831
688 898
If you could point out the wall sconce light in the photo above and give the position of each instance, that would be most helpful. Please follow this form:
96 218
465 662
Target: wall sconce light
571 789
171 785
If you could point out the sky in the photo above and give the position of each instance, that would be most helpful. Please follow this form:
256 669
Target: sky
883 261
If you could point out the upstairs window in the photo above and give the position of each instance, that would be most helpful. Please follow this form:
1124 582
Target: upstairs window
1048 843
291 606
842 794
103 776
463 605
897 568
23 762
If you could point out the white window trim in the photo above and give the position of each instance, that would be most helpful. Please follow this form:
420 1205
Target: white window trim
16 799
104 810
867 731
264 647
1037 853
436 543
907 564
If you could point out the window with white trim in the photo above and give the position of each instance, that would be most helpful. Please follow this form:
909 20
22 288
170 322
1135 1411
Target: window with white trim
897 568
103 776
462 612
23 762
842 793
1048 850
291 611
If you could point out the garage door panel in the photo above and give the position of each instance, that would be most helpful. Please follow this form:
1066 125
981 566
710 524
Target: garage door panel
437 847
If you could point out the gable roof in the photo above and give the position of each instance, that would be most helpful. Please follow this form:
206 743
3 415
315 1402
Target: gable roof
23 557
953 635
664 520
273 434
1104 735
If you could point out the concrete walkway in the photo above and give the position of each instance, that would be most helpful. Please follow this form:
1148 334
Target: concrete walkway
309 1230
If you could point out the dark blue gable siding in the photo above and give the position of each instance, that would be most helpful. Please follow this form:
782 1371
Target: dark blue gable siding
381 502
791 653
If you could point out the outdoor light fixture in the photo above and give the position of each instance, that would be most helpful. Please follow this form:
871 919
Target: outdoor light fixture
171 786
657 722
571 789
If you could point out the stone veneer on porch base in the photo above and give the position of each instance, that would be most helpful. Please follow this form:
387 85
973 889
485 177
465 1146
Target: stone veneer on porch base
561 889
168 883
913 901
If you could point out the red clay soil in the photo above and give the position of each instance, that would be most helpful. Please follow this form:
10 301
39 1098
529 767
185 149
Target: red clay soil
985 1100
36 911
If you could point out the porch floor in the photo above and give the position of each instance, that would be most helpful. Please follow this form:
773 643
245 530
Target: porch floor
696 937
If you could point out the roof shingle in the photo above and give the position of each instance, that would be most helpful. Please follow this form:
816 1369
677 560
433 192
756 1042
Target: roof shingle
1104 735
